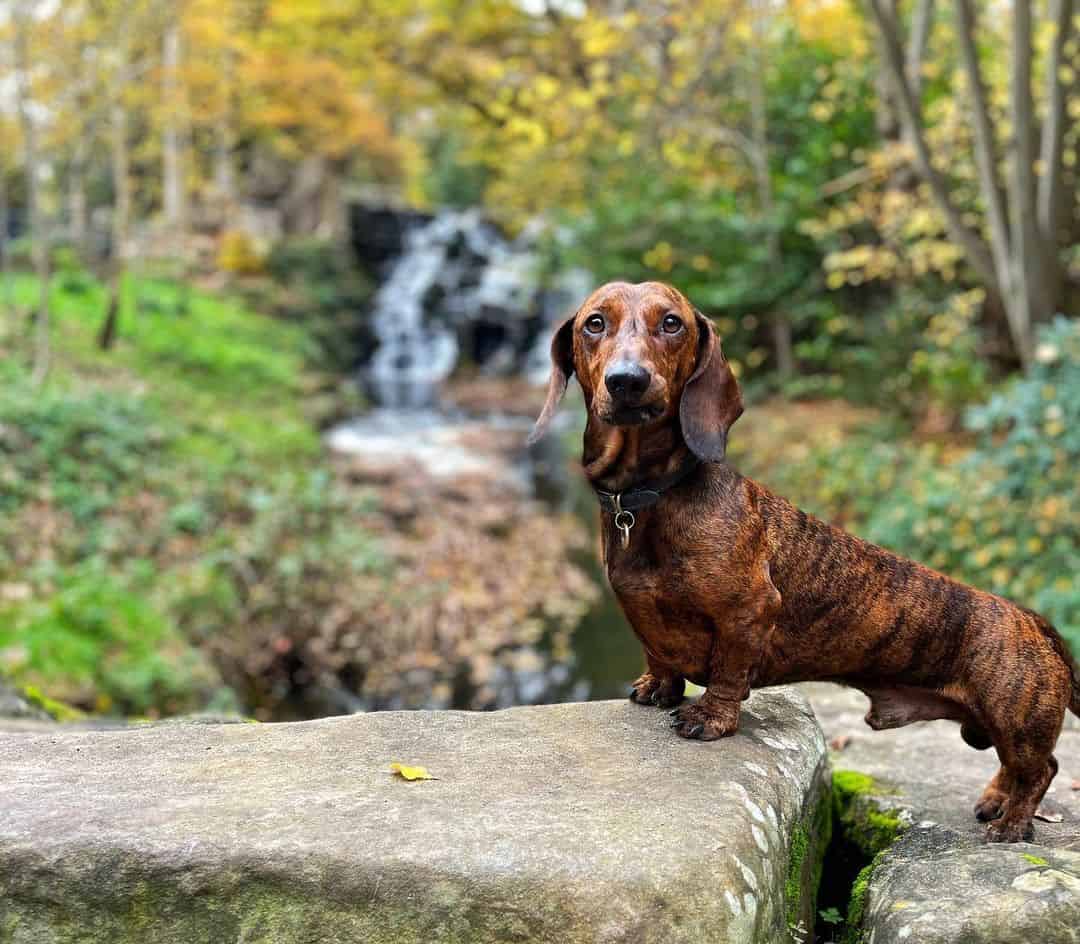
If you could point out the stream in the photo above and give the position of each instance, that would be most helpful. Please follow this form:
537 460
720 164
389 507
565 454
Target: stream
603 656
458 298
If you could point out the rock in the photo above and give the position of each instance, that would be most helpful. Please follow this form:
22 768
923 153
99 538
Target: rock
939 882
14 704
565 823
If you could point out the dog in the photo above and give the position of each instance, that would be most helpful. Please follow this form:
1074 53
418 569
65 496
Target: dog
731 587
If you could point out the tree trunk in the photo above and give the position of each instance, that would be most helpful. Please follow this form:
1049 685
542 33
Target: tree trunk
1027 299
1052 209
224 175
23 17
225 143
779 323
175 202
77 205
300 205
7 327
120 219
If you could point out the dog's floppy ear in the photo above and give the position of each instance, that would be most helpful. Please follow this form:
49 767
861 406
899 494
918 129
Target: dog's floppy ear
562 367
711 401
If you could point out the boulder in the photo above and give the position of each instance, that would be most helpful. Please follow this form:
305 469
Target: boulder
939 882
564 823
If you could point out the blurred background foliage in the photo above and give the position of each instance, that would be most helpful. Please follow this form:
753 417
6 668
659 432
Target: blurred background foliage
877 203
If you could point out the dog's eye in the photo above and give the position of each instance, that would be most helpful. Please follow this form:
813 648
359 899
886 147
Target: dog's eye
594 324
672 324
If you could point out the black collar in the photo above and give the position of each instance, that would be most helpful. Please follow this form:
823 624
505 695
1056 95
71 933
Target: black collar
646 494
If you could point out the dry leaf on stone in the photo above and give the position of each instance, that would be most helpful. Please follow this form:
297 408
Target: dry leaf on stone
839 742
1046 817
411 773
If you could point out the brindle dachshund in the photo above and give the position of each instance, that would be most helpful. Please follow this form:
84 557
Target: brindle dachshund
731 587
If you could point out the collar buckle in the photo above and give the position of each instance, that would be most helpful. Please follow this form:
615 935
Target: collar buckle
624 520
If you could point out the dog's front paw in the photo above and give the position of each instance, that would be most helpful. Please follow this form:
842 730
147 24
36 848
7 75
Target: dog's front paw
706 722
653 690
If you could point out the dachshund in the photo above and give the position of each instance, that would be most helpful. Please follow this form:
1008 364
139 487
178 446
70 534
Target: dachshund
733 588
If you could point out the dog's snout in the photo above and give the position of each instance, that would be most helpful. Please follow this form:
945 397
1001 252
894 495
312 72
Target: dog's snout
626 381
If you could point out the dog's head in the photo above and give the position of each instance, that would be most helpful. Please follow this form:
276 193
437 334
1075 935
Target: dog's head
644 355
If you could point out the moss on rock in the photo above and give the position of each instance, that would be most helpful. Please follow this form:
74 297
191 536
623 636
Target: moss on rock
809 840
56 710
858 811
853 930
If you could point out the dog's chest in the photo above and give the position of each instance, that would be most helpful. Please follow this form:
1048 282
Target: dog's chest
664 607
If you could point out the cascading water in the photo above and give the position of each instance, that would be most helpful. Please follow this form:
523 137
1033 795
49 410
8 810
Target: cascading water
413 357
460 287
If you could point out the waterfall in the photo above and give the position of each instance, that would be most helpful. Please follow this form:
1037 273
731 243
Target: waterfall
459 287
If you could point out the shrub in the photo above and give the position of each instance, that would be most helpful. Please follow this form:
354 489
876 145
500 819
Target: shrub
238 254
77 450
913 355
93 637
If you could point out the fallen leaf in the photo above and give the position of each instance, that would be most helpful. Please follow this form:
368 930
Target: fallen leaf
839 742
411 773
1040 813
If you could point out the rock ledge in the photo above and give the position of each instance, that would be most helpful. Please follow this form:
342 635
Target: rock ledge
566 823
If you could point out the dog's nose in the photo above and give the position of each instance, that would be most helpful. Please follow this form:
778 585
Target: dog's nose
627 382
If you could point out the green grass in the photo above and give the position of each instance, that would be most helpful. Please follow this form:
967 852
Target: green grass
230 377
129 477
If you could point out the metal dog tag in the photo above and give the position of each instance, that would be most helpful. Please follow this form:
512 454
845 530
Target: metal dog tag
624 520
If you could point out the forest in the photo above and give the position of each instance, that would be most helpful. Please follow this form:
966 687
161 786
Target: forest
876 201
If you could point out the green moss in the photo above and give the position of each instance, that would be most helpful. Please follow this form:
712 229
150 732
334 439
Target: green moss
856 806
866 827
853 933
809 841
800 843
851 782
56 710
1034 860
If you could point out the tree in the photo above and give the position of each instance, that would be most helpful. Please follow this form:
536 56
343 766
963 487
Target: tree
5 258
121 182
1019 257
24 15
173 132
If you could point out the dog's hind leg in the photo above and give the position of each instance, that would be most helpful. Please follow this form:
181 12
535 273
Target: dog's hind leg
1024 742
994 798
1027 786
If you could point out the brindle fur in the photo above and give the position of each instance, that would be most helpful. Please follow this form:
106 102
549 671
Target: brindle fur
733 588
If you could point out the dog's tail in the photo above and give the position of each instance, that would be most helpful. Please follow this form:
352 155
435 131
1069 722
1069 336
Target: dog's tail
1074 702
1062 649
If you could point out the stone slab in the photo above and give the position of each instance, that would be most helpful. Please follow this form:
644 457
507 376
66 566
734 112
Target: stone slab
566 823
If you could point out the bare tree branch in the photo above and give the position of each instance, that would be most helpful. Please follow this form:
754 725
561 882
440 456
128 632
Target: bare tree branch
985 152
918 41
975 248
